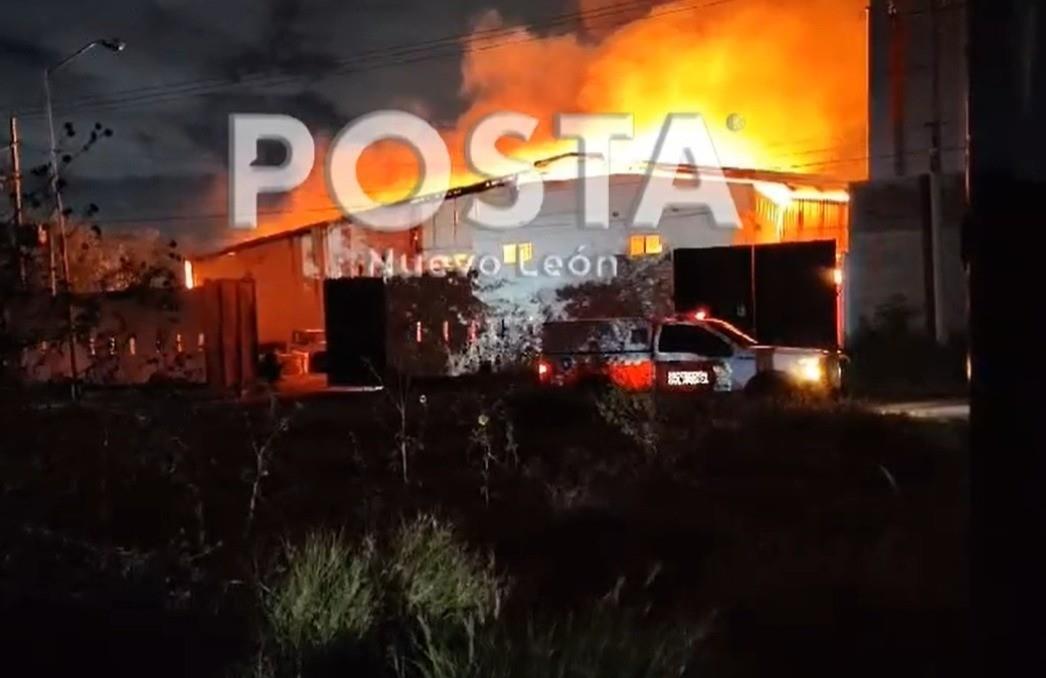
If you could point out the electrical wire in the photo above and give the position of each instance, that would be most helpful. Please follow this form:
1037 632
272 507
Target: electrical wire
448 46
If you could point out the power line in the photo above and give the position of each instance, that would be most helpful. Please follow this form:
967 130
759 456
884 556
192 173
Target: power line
363 61
409 53
883 156
250 77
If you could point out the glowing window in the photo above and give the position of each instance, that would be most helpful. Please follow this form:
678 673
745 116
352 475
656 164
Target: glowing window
644 243
517 252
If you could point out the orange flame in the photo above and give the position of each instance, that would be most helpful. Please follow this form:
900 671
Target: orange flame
780 86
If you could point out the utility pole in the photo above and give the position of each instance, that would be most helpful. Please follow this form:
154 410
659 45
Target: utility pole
16 199
936 216
1006 182
56 191
898 86
113 45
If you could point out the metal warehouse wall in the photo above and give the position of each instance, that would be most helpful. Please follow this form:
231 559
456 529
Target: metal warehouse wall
288 283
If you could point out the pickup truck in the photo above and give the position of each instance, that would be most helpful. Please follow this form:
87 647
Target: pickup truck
687 353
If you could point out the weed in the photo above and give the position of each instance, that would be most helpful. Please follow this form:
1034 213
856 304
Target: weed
633 414
263 450
326 596
606 642
437 579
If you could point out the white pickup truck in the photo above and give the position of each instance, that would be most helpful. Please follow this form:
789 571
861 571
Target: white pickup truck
689 352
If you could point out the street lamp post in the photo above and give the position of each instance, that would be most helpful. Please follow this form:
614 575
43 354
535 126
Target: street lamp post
113 45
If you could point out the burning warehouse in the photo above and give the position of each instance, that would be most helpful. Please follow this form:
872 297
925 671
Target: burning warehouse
785 103
448 296
804 265
411 339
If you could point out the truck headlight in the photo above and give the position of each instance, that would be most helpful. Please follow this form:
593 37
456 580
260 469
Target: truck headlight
810 369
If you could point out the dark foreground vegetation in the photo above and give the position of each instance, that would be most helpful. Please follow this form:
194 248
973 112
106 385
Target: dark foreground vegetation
481 532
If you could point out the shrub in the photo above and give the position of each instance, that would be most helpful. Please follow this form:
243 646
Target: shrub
337 606
327 596
633 414
436 579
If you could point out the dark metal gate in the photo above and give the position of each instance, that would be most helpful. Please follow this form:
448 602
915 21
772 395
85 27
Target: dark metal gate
355 325
781 294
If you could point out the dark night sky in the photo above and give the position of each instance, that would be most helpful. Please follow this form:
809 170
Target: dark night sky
165 153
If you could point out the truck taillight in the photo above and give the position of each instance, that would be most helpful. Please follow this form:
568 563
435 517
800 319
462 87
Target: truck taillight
544 369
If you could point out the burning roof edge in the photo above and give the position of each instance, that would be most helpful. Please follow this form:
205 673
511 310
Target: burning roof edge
730 173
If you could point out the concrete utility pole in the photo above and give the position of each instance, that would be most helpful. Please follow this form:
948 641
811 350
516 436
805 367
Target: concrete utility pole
1006 182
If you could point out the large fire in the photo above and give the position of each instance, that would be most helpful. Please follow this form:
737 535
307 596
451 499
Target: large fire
781 85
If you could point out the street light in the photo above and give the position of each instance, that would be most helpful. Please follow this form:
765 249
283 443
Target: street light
113 45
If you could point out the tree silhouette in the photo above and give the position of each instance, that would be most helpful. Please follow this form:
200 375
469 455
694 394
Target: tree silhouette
99 262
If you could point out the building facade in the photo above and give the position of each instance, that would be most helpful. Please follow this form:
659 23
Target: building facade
552 267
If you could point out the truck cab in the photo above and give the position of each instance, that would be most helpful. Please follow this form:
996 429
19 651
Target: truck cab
749 365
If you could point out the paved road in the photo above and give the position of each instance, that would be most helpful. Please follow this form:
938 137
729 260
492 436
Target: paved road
928 409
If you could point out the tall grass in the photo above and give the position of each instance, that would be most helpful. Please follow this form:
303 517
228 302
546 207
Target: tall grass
339 601
605 643
437 580
422 605
327 595
633 414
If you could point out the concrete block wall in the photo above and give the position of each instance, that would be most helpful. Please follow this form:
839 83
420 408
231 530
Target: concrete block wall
887 258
